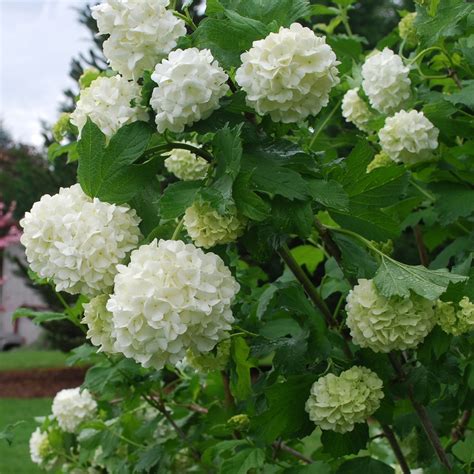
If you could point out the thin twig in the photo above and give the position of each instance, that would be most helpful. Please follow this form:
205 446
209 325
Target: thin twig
420 244
229 399
328 242
280 445
391 438
422 415
458 431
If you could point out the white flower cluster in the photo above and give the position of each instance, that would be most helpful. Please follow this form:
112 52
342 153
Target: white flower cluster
336 403
98 320
185 165
408 137
387 324
141 33
288 74
169 298
71 407
108 103
77 241
385 81
354 109
455 322
208 228
40 447
190 84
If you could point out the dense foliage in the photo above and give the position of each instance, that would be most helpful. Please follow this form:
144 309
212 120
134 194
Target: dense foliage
333 173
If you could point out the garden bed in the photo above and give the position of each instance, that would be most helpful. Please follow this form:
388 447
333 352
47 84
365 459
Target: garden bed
36 383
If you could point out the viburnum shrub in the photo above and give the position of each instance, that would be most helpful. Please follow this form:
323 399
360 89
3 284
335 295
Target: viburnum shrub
272 232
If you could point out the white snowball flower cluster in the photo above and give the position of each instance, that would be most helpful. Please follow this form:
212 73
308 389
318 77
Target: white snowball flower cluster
354 109
108 103
171 297
71 407
186 165
141 33
40 447
288 74
408 137
336 403
208 228
385 81
100 329
387 324
190 84
77 241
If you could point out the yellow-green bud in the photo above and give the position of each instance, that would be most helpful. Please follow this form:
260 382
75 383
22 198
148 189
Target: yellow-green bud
88 76
380 160
385 247
62 127
407 30
239 422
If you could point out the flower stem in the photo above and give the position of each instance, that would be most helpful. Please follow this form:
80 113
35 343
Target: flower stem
390 435
324 123
178 229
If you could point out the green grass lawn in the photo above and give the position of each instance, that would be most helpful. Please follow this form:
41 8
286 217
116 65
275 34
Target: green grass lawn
15 459
19 359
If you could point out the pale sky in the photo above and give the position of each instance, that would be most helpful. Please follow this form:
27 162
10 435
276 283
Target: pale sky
38 39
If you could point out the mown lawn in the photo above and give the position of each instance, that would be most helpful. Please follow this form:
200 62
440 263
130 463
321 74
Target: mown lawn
15 459
19 359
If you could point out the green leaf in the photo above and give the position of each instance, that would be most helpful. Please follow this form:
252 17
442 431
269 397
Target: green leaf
464 96
38 317
243 461
365 465
464 450
453 201
444 24
149 458
329 194
338 444
178 197
90 147
240 383
308 255
354 167
248 202
109 173
286 415
316 467
6 433
368 222
292 217
397 279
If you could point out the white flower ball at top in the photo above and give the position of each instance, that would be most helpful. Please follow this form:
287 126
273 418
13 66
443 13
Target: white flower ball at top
77 241
288 74
108 103
171 297
208 228
185 165
141 33
40 447
354 109
337 403
408 137
190 84
387 324
98 320
385 81
72 406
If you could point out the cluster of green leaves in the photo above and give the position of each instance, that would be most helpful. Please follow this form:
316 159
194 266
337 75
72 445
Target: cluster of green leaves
304 187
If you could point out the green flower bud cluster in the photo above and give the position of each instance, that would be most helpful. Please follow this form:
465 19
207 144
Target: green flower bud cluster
210 361
455 322
387 324
407 30
239 422
337 403
62 127
208 228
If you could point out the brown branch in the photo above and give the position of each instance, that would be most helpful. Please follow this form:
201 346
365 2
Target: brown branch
391 438
280 445
454 76
458 431
307 285
420 244
328 242
229 399
422 415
